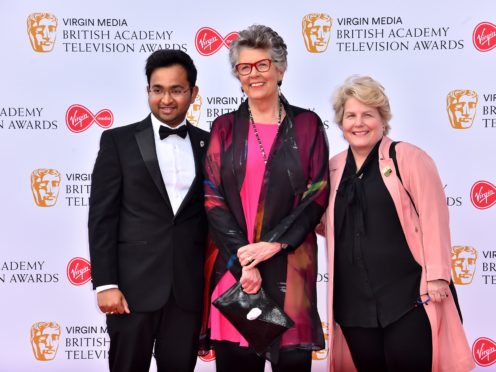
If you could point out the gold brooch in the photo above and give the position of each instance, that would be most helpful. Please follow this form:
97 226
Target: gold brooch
387 171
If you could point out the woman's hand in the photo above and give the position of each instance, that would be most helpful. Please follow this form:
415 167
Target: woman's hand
252 254
251 280
438 290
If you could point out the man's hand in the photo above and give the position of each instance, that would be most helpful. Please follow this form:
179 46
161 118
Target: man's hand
112 301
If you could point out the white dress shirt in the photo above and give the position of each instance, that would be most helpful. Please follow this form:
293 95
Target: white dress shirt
176 162
177 165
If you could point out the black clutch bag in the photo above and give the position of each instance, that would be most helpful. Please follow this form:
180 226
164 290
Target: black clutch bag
256 316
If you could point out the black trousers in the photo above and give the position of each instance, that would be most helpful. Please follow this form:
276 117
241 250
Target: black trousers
230 357
405 345
171 333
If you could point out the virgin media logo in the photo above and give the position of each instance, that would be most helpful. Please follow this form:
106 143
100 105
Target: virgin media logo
79 271
484 36
483 194
208 41
484 351
78 118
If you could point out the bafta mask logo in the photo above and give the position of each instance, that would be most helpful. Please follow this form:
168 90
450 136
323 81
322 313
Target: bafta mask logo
45 340
45 185
461 106
463 260
316 28
322 354
193 114
42 28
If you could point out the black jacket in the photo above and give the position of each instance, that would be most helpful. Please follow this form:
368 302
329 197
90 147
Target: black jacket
135 240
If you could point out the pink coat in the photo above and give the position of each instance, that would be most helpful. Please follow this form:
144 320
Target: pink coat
429 240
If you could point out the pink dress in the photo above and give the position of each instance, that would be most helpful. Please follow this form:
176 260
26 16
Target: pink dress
220 327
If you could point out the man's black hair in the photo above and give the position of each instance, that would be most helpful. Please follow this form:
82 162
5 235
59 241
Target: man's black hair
171 57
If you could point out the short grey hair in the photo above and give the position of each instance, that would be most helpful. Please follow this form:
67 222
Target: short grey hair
260 37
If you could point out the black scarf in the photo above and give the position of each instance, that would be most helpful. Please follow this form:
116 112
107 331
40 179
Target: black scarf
353 207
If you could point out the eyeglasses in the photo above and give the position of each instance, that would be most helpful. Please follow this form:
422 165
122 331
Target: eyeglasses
262 66
175 92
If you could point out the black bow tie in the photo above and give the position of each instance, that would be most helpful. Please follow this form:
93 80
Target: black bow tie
164 131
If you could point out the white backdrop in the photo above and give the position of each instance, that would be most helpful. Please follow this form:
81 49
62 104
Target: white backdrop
420 52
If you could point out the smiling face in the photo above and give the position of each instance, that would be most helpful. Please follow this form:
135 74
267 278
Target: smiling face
259 85
170 95
362 126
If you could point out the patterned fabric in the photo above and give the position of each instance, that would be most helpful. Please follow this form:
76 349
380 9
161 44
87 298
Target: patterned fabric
293 197
220 327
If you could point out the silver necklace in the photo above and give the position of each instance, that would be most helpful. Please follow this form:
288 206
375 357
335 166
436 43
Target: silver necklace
260 145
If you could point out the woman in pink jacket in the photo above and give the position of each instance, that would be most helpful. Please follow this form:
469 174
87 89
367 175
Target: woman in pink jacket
388 241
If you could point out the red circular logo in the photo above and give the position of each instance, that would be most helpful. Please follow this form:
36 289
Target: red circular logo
484 351
483 194
79 271
484 36
210 357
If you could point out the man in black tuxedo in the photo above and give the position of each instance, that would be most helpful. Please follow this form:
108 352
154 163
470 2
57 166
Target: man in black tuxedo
147 225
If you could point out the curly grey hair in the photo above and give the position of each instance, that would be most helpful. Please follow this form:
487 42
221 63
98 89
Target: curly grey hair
260 37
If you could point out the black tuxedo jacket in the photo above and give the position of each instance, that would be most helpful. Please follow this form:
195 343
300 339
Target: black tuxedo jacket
135 240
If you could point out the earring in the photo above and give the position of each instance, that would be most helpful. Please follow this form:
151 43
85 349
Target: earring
243 97
279 83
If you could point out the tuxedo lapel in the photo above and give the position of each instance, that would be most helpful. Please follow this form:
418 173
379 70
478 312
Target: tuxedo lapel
146 144
199 146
